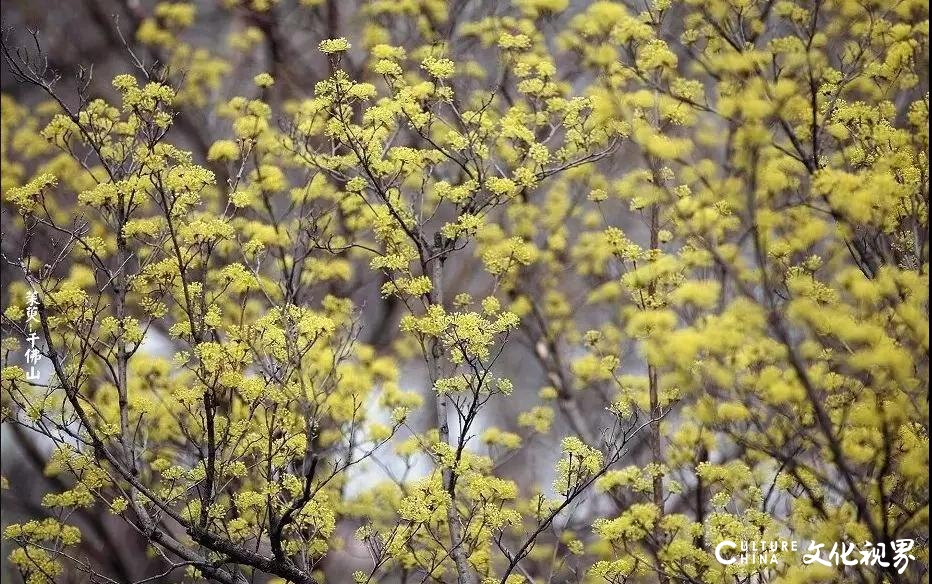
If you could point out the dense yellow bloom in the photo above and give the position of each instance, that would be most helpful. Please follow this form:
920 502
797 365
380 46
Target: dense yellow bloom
515 291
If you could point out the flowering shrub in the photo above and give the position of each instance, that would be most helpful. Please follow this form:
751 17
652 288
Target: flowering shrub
306 332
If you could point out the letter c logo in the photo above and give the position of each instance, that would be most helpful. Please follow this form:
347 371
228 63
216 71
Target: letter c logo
718 552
